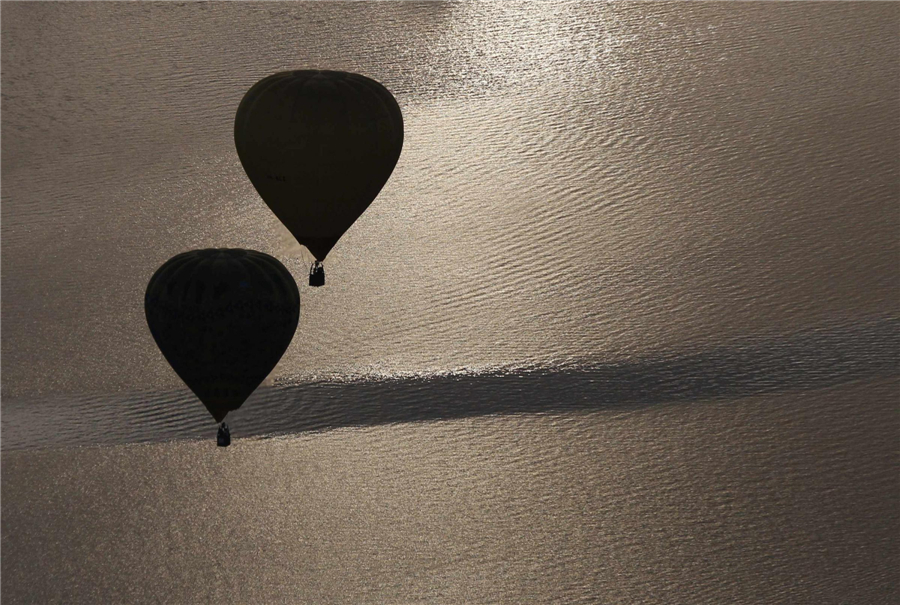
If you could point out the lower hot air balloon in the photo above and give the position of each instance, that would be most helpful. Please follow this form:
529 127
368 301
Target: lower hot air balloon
318 146
222 318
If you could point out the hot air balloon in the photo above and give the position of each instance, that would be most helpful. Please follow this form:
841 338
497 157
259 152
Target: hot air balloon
318 146
222 319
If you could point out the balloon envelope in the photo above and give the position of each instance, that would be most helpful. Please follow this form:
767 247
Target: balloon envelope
318 146
222 319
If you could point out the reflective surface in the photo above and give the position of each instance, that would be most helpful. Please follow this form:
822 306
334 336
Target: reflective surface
778 499
621 327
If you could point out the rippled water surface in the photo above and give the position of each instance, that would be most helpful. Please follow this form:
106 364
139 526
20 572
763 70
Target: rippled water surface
623 326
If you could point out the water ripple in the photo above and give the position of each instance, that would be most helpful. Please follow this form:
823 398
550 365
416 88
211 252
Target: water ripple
807 360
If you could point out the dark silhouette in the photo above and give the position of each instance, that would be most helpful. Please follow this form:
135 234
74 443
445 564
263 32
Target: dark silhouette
223 437
317 274
222 318
318 146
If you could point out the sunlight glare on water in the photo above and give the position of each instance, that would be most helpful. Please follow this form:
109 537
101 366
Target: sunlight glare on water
622 327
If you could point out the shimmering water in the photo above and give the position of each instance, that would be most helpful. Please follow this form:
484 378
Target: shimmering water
622 327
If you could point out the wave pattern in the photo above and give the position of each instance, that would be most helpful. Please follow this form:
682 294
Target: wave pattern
582 183
805 361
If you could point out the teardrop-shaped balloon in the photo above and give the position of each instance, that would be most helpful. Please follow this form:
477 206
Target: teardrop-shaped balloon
318 146
222 319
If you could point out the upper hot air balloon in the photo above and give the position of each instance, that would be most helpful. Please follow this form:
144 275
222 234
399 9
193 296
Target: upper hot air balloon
318 146
222 318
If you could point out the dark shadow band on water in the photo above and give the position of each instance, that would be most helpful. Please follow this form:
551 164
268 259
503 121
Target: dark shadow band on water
805 360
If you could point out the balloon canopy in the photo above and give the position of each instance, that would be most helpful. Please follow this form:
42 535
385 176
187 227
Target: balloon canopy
318 146
222 318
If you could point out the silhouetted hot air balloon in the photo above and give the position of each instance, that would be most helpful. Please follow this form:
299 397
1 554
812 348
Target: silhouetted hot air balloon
222 318
318 146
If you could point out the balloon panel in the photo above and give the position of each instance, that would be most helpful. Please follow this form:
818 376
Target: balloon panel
222 319
318 146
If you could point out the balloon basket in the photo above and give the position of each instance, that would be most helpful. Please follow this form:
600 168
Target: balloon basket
317 275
